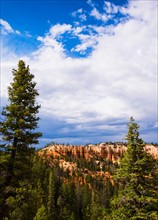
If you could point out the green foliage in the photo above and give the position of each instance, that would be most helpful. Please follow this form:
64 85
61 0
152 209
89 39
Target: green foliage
18 134
22 205
41 214
20 115
20 120
137 198
51 196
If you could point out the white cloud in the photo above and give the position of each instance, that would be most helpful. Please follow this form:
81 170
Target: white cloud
49 44
142 10
87 42
110 8
90 3
90 39
99 16
110 11
59 29
6 28
77 30
83 17
80 14
17 32
107 30
80 10
156 125
116 81
7 64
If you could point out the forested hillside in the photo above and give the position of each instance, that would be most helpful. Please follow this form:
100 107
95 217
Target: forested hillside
60 184
93 182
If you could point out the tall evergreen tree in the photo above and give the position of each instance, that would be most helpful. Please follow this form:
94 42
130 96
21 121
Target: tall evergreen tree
18 129
138 193
51 197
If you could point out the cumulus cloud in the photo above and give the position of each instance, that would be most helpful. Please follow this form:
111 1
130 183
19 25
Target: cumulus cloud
60 29
87 41
116 81
50 42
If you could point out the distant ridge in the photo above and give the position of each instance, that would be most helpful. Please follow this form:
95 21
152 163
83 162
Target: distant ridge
111 152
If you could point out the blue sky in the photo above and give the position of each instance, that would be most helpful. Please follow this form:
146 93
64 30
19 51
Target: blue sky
95 64
34 18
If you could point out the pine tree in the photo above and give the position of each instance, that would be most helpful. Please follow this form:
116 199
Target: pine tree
51 196
138 193
18 130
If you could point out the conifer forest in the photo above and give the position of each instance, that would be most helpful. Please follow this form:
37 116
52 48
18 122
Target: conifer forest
49 184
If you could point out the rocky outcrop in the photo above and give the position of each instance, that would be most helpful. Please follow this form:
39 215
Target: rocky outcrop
97 161
153 150
110 152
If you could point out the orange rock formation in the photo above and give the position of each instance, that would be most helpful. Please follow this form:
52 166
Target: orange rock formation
111 152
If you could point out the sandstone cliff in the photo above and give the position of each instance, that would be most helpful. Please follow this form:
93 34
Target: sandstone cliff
90 161
110 152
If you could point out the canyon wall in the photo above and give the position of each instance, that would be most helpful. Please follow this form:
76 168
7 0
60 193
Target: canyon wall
110 152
